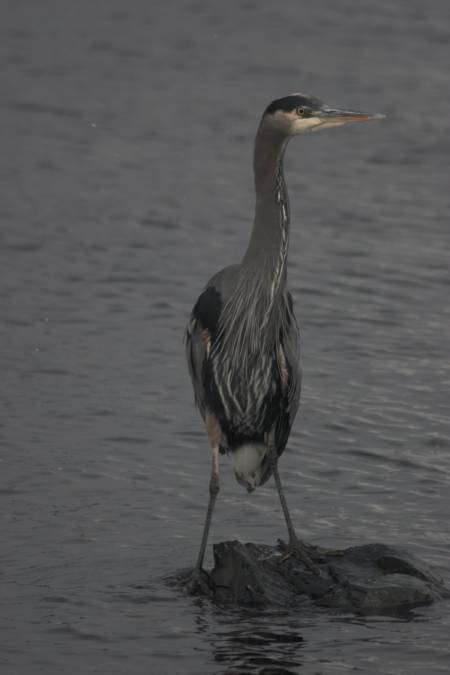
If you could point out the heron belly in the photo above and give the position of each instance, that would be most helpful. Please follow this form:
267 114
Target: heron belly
247 464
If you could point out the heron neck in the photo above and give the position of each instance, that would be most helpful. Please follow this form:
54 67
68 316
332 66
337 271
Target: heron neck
267 250
258 303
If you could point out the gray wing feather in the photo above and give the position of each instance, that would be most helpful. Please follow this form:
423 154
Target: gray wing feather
197 348
291 400
293 358
196 354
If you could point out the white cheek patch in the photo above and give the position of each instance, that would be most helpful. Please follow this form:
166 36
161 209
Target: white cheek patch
303 124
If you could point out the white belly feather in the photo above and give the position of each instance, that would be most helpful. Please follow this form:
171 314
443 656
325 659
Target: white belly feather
246 461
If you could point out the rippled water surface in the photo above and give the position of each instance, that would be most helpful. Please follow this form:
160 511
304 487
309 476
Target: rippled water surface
127 133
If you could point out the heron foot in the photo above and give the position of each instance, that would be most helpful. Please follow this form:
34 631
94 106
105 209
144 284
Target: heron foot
329 552
296 548
198 582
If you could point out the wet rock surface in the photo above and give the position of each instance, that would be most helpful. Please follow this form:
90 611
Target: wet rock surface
364 579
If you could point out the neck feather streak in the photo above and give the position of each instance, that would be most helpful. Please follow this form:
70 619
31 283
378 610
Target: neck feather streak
258 305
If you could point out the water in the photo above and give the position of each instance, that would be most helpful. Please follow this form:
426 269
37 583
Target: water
126 179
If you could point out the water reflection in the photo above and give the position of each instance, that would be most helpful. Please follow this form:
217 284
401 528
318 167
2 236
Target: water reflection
265 644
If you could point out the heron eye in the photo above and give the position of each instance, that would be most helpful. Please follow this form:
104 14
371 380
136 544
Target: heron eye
300 111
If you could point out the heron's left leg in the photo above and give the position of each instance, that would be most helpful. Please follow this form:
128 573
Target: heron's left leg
214 434
296 546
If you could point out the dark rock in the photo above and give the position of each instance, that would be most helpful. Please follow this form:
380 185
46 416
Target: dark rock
363 579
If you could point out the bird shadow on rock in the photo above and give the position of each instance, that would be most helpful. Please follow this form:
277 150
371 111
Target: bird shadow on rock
369 579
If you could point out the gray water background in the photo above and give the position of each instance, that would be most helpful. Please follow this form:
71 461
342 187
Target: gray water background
125 171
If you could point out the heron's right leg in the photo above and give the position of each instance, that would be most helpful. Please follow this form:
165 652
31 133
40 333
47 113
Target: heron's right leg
295 546
213 429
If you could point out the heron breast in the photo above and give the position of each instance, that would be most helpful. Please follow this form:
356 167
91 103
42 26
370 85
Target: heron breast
245 401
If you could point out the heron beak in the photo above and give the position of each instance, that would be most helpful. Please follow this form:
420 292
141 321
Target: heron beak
336 116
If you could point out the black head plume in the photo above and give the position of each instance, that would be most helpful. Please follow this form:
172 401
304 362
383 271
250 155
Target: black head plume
293 101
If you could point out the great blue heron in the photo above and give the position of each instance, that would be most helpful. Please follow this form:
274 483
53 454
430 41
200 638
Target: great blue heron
242 340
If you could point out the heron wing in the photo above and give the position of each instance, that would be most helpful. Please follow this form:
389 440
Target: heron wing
290 401
203 326
196 352
200 333
289 369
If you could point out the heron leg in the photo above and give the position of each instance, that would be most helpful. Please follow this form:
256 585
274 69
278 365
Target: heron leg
213 429
295 546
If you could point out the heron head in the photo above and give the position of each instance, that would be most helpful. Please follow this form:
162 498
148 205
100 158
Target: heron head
298 114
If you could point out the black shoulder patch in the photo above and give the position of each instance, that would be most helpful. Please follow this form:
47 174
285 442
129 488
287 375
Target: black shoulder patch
208 308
